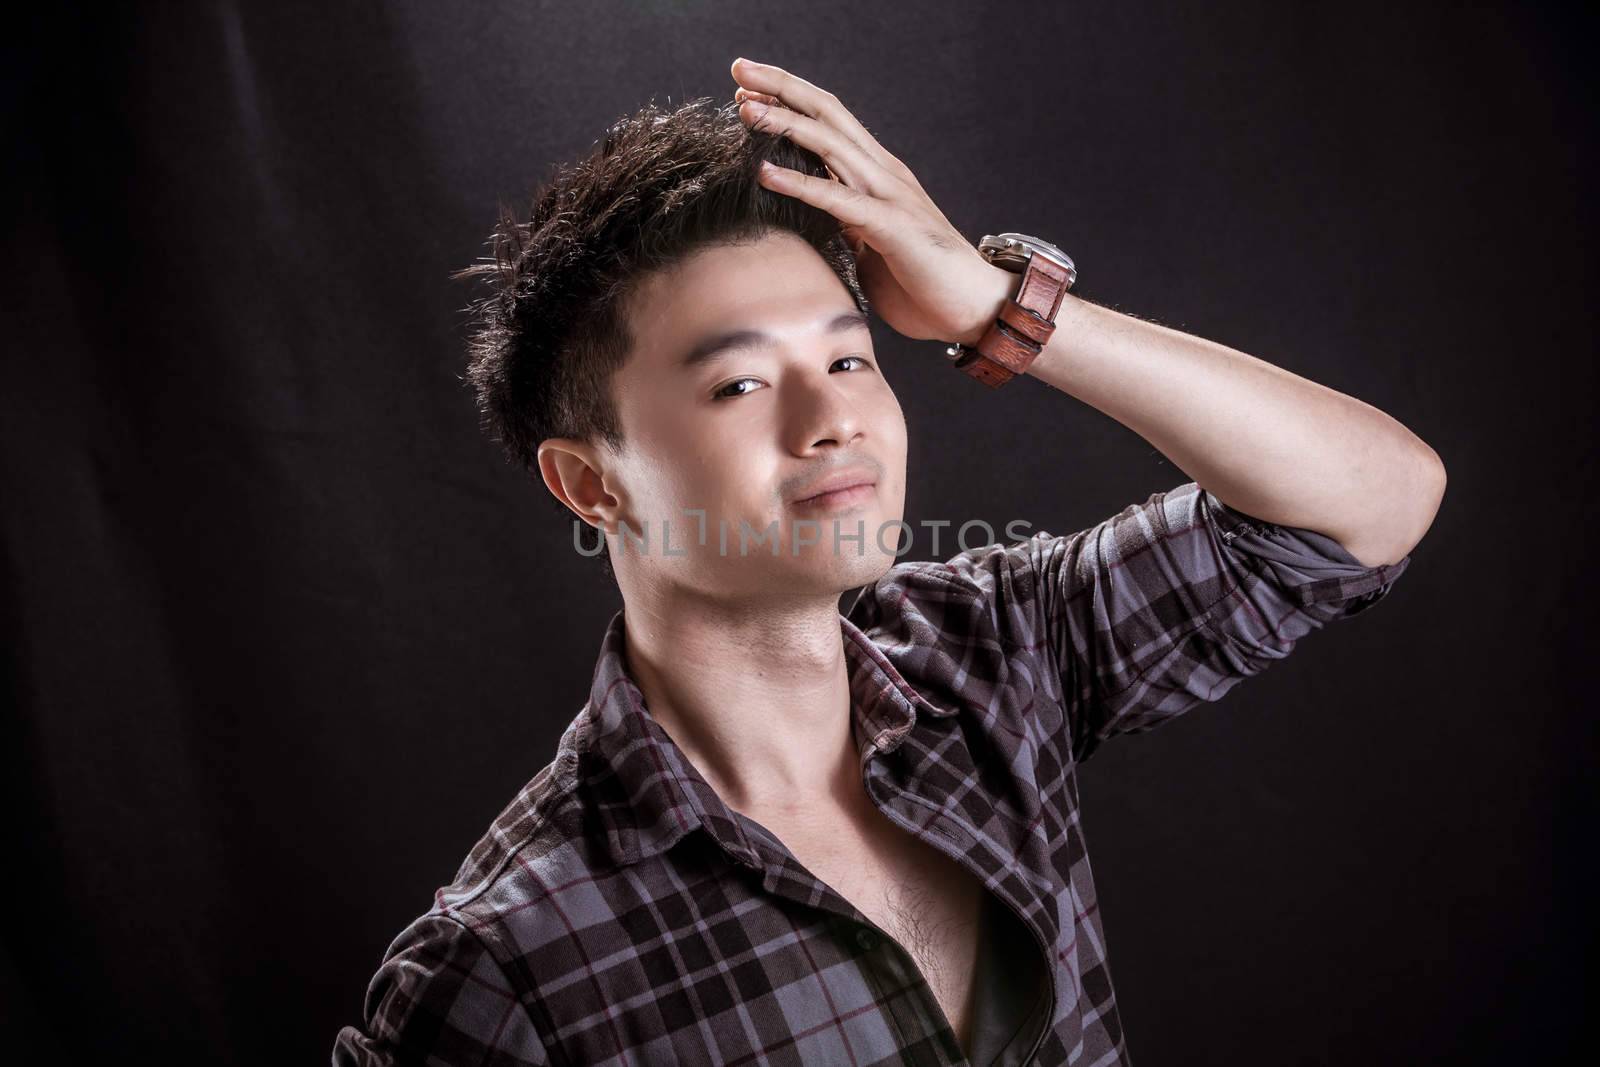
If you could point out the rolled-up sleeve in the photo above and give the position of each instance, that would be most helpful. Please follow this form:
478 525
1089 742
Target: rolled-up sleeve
1173 602
1166 604
440 997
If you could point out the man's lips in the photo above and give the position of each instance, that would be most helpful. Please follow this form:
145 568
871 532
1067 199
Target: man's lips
849 494
855 479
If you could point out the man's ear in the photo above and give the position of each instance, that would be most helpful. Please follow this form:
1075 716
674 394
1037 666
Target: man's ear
576 473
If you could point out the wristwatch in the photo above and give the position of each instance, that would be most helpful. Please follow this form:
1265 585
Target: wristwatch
1026 321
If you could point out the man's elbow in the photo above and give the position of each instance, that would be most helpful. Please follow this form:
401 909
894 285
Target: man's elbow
1409 522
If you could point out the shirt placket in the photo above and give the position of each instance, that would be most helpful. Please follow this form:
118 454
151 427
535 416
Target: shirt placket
957 841
889 970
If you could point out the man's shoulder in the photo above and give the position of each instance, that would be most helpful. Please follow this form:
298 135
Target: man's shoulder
975 600
453 976
963 633
1002 569
547 835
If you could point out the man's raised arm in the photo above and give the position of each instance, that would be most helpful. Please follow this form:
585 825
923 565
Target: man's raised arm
1262 439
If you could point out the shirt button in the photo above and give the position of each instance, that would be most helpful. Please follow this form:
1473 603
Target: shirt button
866 939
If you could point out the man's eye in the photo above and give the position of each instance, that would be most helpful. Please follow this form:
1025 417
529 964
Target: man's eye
724 394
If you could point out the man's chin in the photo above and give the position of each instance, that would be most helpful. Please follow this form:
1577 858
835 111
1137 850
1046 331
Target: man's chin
826 570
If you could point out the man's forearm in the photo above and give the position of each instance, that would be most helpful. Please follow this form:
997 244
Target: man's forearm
1266 441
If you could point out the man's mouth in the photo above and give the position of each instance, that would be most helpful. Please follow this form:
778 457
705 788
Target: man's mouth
845 496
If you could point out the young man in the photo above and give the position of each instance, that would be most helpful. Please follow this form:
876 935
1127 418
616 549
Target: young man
779 834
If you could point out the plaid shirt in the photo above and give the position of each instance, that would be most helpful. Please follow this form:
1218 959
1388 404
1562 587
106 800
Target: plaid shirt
618 911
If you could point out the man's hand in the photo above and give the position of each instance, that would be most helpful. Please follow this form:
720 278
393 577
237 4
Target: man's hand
921 275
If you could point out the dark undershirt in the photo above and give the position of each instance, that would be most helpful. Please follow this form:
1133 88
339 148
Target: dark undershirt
1010 987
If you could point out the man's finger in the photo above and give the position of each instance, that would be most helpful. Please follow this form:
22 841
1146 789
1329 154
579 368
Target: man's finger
843 156
741 94
797 94
868 215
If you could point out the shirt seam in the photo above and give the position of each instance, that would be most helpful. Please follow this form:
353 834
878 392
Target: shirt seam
495 950
539 817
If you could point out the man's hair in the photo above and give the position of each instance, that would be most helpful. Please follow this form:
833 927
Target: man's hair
548 336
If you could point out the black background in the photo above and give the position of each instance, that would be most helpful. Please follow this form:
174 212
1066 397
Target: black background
283 633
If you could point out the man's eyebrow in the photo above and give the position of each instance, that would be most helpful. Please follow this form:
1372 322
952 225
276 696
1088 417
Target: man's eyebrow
713 348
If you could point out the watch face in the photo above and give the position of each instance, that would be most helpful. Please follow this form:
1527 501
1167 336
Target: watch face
1013 250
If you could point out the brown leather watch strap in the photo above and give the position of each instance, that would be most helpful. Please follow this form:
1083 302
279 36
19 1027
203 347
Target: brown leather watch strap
1023 327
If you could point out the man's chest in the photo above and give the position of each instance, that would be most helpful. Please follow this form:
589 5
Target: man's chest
928 902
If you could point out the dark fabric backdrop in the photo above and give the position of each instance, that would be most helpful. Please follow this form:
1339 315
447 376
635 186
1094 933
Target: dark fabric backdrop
283 633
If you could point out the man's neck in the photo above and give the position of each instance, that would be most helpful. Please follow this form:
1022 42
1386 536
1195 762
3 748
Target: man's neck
757 698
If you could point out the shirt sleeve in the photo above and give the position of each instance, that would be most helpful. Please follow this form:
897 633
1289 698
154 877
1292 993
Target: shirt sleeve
1165 604
440 997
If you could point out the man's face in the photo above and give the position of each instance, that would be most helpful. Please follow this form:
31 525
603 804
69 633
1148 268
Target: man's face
747 429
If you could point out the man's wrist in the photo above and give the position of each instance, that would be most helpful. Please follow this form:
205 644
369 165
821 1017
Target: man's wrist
1003 285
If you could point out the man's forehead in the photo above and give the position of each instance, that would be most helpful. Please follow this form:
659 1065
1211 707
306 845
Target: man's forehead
719 343
689 319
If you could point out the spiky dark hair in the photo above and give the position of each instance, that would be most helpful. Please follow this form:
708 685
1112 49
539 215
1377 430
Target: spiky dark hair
549 334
